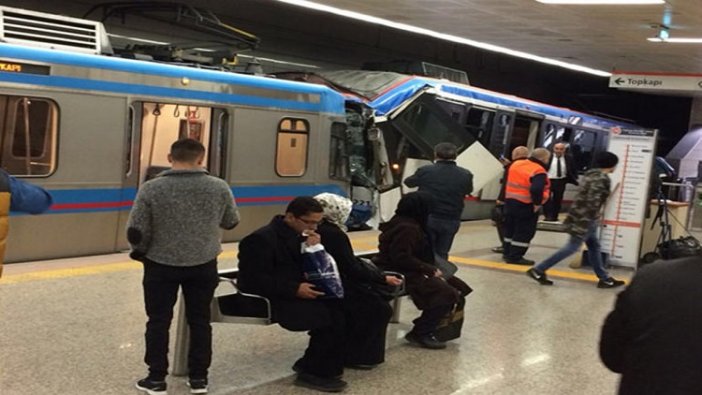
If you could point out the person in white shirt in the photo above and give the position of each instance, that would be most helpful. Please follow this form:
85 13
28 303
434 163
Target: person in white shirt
561 171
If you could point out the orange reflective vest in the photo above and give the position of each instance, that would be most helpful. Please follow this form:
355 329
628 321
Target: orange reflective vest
519 181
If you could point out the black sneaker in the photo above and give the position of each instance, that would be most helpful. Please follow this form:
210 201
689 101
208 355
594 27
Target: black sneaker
324 384
498 250
427 341
610 283
539 277
151 387
197 386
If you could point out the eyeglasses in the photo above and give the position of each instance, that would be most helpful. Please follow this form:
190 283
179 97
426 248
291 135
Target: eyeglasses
308 222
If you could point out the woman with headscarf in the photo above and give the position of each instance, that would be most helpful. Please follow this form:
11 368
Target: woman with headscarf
404 247
367 314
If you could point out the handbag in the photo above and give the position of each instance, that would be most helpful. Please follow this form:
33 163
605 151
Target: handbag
448 269
382 289
451 325
319 268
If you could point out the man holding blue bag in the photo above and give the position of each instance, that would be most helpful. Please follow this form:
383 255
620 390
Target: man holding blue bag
271 264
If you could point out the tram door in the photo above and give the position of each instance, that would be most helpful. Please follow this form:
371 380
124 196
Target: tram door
525 131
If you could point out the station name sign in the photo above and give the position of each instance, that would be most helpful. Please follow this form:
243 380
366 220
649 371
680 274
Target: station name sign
656 81
7 66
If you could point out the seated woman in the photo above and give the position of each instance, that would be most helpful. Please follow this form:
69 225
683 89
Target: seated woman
404 247
367 314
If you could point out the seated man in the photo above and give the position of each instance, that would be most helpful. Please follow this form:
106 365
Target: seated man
270 264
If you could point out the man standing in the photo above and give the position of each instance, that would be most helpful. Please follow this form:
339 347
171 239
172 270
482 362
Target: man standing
448 184
526 189
174 229
270 264
498 213
652 337
17 195
582 223
561 171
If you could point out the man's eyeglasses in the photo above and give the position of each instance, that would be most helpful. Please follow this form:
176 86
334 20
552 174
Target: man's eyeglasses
308 222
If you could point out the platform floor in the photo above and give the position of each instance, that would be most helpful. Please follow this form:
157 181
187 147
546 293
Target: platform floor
75 326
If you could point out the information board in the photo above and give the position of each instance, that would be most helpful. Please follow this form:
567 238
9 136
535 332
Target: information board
624 214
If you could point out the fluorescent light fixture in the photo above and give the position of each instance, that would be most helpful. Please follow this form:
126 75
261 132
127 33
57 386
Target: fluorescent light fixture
602 2
676 40
442 36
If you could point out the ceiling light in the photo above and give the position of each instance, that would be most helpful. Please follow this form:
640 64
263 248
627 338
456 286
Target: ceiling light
443 36
676 40
601 2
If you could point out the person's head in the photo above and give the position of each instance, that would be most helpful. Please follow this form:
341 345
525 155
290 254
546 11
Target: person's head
415 205
445 151
336 208
541 154
559 149
520 152
187 152
605 161
303 213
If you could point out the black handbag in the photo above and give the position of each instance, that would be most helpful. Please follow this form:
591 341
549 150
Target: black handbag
382 289
448 269
451 325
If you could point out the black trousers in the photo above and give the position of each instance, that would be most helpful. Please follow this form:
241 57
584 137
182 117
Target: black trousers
367 318
161 284
436 298
519 229
553 205
325 321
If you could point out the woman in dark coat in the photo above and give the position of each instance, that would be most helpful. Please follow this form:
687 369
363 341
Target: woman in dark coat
367 314
404 247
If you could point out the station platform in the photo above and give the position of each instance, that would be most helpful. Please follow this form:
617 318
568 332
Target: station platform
76 326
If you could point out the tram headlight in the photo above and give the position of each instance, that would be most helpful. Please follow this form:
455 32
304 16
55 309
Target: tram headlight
185 81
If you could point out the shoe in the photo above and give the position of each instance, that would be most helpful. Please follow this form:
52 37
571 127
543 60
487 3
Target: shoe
197 386
521 261
297 366
498 250
361 366
539 277
324 384
151 387
610 283
427 341
551 220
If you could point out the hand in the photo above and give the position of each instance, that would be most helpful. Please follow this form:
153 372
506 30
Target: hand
394 281
307 291
537 208
313 237
499 202
437 273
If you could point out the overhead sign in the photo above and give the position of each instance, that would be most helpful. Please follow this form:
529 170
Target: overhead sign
656 81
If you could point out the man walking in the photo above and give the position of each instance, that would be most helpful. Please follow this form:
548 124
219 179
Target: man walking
582 223
526 189
448 184
561 171
174 229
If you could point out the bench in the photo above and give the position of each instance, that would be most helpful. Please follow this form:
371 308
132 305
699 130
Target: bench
243 308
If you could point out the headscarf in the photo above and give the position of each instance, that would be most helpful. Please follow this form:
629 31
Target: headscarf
336 208
415 205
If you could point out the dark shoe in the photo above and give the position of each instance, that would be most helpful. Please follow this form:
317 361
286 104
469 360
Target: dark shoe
521 261
361 366
539 277
197 386
324 384
551 220
297 366
610 283
152 387
427 341
498 250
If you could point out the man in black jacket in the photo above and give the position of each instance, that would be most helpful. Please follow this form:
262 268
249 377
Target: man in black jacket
270 264
561 171
654 335
448 184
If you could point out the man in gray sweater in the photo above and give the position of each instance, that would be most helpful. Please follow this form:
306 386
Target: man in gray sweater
174 229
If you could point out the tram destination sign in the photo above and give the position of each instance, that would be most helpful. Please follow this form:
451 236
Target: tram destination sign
656 81
8 66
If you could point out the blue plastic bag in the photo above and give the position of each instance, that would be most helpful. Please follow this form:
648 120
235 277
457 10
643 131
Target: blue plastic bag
320 269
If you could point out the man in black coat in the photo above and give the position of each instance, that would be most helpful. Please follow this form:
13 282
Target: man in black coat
654 335
561 171
448 184
270 264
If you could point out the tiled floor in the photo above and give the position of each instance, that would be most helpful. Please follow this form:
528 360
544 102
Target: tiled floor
76 327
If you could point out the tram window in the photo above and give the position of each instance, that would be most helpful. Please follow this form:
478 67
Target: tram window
291 150
432 130
582 149
338 156
30 126
479 124
556 134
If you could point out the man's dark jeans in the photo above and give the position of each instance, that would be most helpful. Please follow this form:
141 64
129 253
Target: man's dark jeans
441 232
161 283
